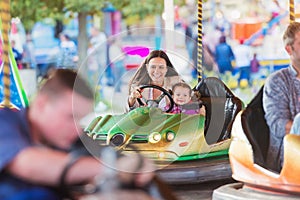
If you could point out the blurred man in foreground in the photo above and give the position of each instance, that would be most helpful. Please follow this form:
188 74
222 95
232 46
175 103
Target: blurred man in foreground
34 142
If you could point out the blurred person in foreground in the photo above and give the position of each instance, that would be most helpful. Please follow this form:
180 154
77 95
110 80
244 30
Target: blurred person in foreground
34 142
281 97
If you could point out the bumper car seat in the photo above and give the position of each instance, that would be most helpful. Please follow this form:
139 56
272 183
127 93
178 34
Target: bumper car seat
221 105
256 129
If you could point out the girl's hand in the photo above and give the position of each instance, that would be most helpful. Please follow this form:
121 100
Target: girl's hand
202 110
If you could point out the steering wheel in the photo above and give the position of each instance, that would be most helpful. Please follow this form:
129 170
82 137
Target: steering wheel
155 102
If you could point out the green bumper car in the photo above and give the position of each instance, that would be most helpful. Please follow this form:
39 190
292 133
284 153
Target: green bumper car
173 137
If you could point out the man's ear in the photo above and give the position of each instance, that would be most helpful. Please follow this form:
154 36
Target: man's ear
289 49
41 100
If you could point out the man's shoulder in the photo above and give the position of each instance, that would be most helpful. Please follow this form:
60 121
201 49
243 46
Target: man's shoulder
279 75
8 112
278 82
10 116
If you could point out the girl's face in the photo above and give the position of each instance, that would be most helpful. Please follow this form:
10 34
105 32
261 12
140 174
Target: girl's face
157 69
181 95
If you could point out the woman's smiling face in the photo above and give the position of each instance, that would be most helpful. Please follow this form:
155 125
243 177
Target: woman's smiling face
157 69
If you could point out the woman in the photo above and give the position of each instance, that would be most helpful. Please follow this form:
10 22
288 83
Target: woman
156 69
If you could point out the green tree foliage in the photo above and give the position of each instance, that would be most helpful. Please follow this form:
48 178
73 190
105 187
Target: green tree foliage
29 11
84 6
141 8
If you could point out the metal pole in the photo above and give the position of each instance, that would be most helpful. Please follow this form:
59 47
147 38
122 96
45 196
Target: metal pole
199 56
292 11
5 18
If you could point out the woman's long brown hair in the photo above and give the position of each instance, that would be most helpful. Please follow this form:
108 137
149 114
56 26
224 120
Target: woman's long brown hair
142 77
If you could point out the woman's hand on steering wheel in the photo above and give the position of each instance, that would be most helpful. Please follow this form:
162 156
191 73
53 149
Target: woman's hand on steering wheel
155 102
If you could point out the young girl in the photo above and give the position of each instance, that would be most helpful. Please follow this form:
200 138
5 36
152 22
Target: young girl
182 94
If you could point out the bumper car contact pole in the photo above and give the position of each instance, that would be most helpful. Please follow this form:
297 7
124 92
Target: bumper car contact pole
5 27
292 11
109 181
199 42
